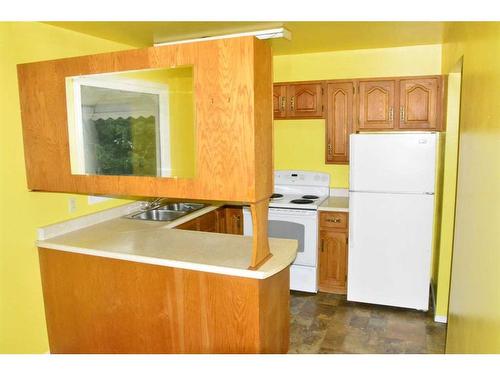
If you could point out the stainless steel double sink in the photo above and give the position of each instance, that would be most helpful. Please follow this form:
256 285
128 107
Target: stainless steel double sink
166 211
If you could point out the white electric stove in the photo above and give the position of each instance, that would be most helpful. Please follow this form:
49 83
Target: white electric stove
293 214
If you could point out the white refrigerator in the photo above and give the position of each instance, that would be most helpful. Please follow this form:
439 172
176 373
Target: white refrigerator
391 217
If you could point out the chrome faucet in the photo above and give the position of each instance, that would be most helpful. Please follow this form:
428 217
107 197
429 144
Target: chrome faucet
152 204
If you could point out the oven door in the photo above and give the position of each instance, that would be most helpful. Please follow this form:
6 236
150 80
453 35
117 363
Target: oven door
300 225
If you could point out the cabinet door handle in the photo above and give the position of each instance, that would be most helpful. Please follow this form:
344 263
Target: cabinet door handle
391 114
334 220
330 149
402 113
292 104
322 245
236 219
283 103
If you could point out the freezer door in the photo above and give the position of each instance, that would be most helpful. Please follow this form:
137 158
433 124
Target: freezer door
390 242
399 162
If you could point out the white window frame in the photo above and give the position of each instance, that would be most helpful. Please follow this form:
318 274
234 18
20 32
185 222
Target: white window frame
107 81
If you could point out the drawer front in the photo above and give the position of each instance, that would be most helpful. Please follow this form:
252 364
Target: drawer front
333 220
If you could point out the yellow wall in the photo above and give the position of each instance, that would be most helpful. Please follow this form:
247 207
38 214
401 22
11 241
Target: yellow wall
299 144
474 311
442 256
180 81
22 321
474 320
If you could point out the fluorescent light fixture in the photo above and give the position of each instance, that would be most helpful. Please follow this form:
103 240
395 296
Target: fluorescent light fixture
279 32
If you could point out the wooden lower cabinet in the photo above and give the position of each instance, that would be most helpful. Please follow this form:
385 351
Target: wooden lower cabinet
208 222
102 305
234 220
226 219
333 241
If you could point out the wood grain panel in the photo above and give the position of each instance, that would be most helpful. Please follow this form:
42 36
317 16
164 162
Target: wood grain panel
233 121
333 234
190 225
234 220
260 242
376 104
101 305
227 219
208 222
262 151
333 262
279 101
419 105
340 107
275 313
333 220
305 100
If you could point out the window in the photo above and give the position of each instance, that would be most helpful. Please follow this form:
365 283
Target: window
120 126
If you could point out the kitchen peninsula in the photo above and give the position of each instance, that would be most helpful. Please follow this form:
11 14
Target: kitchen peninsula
188 122
116 285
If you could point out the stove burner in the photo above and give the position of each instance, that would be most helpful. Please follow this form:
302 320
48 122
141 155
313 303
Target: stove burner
301 201
276 195
310 197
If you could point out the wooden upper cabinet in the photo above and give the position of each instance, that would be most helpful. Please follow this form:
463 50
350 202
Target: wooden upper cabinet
340 104
279 101
376 105
298 100
418 103
305 100
232 141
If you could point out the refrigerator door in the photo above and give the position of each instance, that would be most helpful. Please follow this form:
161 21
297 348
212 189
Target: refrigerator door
398 162
390 241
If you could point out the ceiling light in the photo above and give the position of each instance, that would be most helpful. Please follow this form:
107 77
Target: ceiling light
279 32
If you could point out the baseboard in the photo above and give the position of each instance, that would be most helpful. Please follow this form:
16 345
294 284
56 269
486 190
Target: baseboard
440 318
437 318
433 297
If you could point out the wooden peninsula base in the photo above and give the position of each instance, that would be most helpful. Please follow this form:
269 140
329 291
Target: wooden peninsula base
103 305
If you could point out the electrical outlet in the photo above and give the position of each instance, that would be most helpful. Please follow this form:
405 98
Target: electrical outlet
71 205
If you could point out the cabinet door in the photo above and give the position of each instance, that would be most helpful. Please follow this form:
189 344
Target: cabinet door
221 220
234 220
376 105
339 121
208 222
190 225
418 103
279 101
305 100
333 262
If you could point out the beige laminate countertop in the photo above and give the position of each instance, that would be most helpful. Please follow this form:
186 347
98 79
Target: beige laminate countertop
157 243
335 203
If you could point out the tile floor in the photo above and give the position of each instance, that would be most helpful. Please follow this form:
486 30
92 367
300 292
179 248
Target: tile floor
328 323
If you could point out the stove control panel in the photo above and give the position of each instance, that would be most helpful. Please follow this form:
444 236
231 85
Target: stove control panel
303 178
